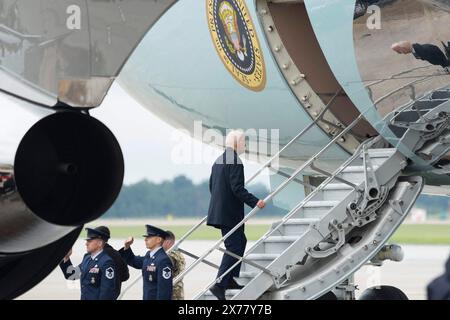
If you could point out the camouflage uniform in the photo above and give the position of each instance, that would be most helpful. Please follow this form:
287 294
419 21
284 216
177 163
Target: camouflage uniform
178 266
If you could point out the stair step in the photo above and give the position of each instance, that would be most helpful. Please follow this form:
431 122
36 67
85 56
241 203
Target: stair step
428 104
277 244
315 209
381 153
296 227
228 294
261 259
441 94
354 174
353 169
333 191
307 221
337 186
245 277
409 116
257 257
318 204
278 239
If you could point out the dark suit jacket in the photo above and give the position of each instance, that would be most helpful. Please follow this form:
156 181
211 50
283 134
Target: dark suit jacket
431 53
228 194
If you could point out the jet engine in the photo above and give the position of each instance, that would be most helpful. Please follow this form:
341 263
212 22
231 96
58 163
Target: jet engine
67 170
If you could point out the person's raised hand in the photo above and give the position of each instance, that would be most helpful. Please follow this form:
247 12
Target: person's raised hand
261 204
128 243
67 256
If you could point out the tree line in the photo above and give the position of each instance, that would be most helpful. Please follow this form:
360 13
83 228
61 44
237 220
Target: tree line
181 197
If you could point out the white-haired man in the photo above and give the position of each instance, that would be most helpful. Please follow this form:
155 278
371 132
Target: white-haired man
226 207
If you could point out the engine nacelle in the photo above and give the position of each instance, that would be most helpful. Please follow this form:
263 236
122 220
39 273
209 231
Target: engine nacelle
68 170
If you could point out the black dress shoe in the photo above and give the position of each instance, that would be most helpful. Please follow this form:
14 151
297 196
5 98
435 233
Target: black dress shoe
234 285
218 292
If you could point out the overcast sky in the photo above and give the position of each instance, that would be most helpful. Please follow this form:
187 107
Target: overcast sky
147 142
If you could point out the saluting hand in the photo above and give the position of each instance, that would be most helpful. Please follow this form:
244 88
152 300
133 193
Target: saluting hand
67 256
261 204
128 243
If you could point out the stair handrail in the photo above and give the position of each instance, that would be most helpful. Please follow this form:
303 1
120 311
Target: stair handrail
409 84
267 164
289 215
261 169
269 197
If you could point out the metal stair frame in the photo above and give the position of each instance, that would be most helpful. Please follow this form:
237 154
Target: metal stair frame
264 166
416 136
349 259
275 192
317 235
320 230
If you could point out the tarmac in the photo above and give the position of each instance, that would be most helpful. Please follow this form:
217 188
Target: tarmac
421 264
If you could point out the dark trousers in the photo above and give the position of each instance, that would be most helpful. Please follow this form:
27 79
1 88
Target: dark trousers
235 243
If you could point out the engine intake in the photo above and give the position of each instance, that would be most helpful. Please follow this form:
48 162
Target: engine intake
69 168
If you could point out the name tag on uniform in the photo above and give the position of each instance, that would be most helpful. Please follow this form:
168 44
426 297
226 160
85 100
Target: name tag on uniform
94 270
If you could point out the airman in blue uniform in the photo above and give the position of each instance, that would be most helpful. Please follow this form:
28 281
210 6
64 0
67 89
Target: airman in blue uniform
97 270
156 265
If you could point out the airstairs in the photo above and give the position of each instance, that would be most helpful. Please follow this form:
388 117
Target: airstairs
331 233
345 221
423 127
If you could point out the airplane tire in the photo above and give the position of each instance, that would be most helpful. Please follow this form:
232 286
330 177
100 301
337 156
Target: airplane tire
383 293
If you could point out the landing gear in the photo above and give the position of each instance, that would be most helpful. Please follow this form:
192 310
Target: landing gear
383 293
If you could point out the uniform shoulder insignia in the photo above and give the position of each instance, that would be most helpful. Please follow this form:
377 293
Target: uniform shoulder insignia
167 273
109 273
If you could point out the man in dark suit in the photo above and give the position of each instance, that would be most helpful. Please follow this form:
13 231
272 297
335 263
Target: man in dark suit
226 207
428 52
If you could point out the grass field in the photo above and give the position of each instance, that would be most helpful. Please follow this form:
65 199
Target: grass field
406 234
422 234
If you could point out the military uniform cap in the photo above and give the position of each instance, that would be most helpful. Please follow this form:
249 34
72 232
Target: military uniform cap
153 231
98 233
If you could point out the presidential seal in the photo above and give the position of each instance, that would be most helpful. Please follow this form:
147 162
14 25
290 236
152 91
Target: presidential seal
236 42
